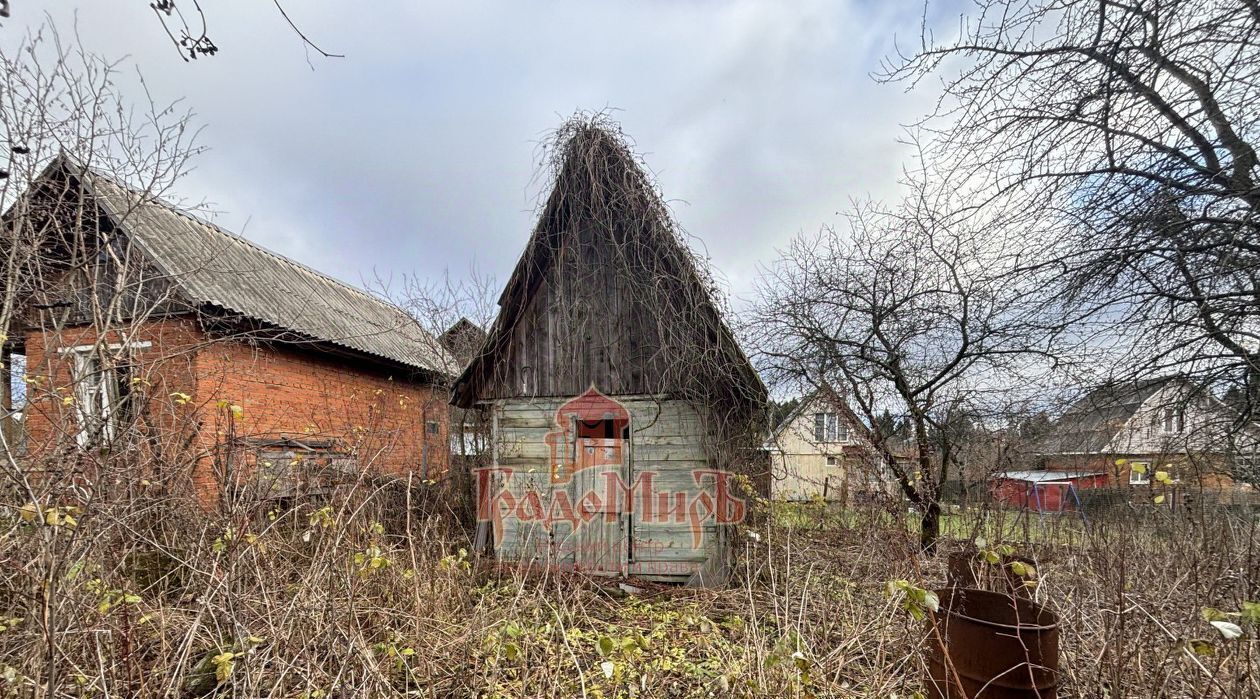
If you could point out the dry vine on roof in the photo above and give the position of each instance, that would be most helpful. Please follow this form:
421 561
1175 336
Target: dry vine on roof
609 293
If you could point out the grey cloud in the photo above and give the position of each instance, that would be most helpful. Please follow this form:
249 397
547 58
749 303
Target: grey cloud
416 152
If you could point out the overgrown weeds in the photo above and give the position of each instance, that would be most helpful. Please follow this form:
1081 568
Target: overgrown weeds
364 596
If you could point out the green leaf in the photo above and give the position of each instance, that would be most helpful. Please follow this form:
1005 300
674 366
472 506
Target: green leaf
606 646
1251 612
802 663
1213 614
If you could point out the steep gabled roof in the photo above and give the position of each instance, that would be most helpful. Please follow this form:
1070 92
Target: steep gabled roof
837 402
212 267
1090 424
602 191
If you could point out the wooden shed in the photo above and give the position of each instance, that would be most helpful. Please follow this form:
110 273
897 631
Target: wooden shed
622 414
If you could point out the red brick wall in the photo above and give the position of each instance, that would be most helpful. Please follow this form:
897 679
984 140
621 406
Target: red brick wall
1203 469
282 391
168 365
287 392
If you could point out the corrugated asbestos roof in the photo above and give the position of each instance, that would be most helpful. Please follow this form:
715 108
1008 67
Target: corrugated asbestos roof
212 266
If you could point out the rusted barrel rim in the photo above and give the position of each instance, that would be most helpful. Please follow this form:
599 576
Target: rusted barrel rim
950 592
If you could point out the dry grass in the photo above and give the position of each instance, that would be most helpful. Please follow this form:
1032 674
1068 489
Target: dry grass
146 598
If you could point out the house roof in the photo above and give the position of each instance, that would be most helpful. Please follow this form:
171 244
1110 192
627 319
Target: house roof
463 339
624 183
211 266
1091 423
807 402
835 402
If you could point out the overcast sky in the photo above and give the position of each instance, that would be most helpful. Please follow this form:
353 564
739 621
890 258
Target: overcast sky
414 154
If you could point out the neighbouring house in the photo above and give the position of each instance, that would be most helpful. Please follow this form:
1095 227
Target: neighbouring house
463 340
1124 434
208 363
623 414
822 449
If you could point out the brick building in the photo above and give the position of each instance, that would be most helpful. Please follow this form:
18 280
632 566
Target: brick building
190 359
1128 432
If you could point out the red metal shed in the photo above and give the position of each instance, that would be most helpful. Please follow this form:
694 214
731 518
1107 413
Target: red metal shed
1043 491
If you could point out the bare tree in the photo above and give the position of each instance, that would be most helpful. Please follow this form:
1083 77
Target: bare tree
189 30
188 27
61 104
907 315
1125 132
438 306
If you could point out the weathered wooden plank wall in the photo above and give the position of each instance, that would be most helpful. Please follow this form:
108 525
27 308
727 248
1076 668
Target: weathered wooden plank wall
596 317
670 439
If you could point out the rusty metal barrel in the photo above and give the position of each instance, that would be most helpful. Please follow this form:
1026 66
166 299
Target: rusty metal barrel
987 645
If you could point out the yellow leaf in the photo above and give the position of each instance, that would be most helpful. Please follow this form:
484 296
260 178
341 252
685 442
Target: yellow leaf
1159 499
1137 468
1121 462
1022 569
223 665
